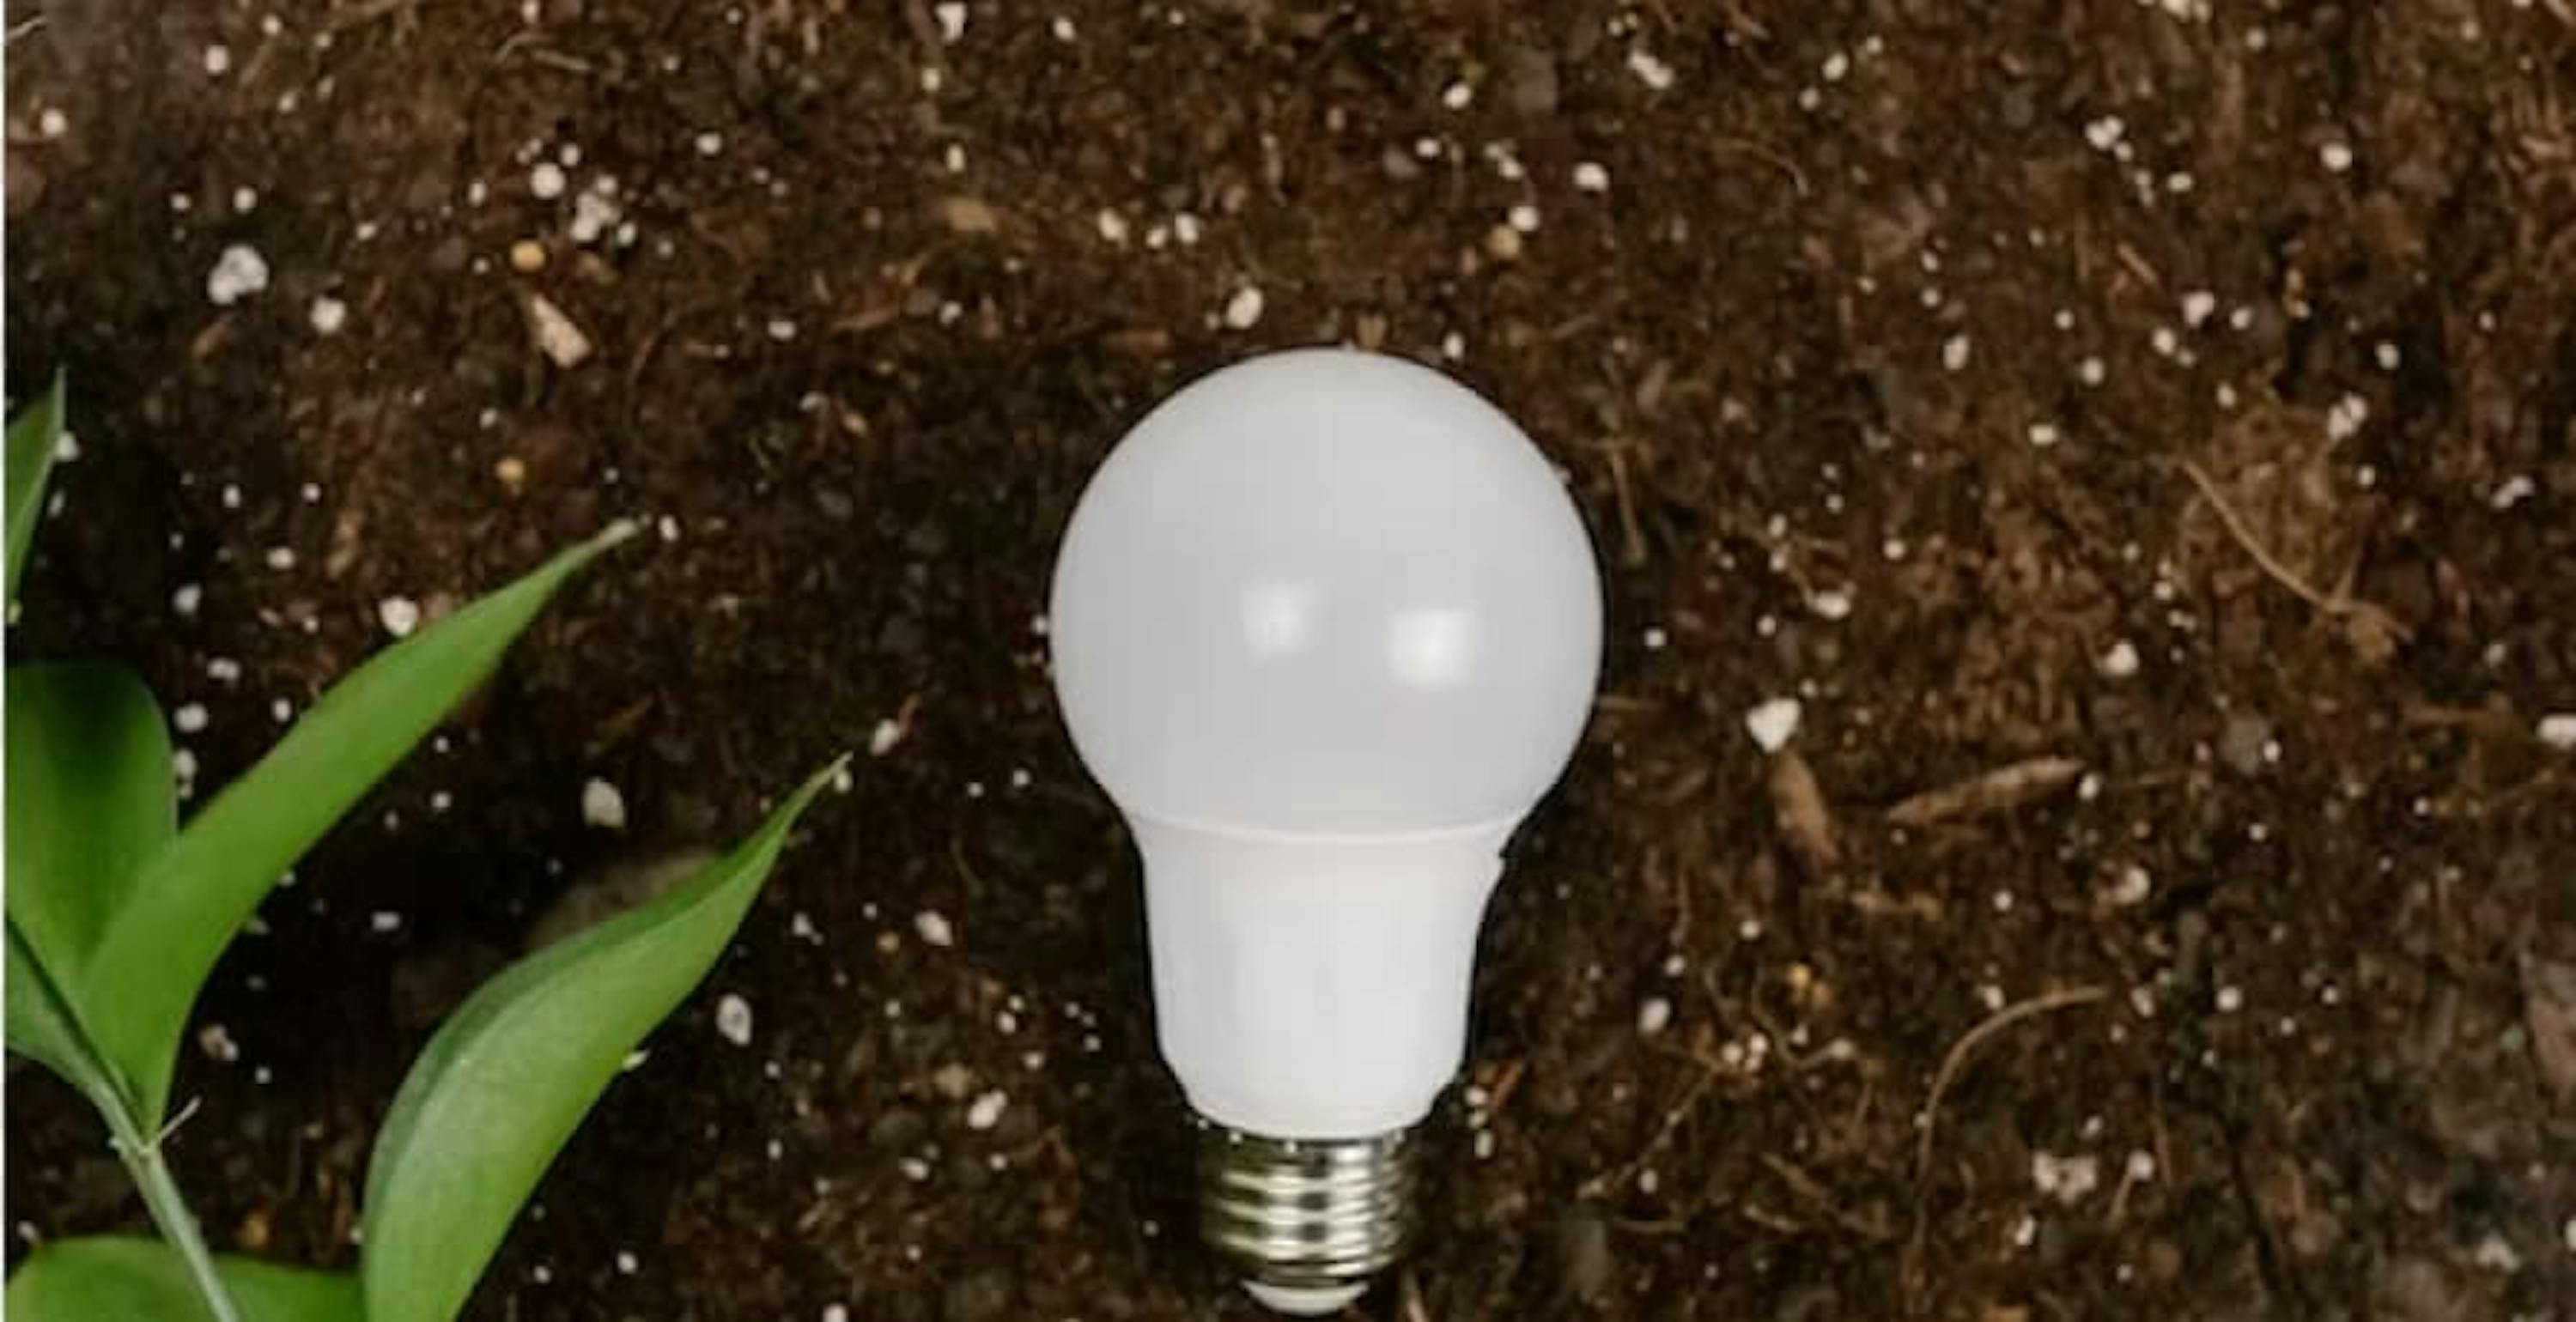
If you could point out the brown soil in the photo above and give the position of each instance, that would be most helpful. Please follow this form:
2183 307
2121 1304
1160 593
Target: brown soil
867 340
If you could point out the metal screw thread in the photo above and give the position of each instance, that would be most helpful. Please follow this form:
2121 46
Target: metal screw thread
1305 1213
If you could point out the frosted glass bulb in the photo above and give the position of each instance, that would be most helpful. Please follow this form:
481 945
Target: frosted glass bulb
1325 626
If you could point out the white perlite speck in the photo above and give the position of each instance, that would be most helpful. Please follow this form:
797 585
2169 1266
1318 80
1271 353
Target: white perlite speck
546 182
1243 311
384 921
1954 353
2346 416
1592 177
399 615
2229 1000
2336 156
2133 887
1772 723
186 599
733 1019
2067 1179
602 806
882 740
190 718
2121 661
1654 1016
2198 306
329 315
2558 730
2043 435
986 1111
934 928
952 21
1654 73
239 273
219 60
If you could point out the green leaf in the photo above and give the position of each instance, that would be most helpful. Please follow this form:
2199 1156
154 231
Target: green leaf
33 437
156 949
142 1280
90 803
145 1282
41 1025
507 1079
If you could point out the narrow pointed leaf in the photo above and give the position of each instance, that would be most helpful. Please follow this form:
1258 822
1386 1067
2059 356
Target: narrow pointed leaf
42 1027
140 981
507 1079
90 803
33 436
142 1280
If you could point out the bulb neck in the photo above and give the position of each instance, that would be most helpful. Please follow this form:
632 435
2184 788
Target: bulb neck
1306 1221
1314 987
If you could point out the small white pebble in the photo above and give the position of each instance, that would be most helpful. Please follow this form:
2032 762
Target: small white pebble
2230 1000
2346 416
1954 353
2132 888
1654 73
2198 306
1243 311
986 1110
1113 227
710 144
2511 492
399 615
245 199
281 558
219 60
546 182
1523 218
602 805
2387 356
1654 1016
1835 67
2558 730
934 928
1654 638
952 20
2104 133
1771 723
186 599
1592 177
882 740
2090 371
217 1042
190 718
2336 156
383 921
733 1019
626 1263
329 315
2121 661
2043 435
239 273
1062 27
1457 96
2141 1165
52 123
1831 604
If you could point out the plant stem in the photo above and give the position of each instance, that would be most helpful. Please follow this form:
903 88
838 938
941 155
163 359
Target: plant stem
170 1212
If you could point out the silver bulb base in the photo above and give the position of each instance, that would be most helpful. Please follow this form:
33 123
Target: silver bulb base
1306 1222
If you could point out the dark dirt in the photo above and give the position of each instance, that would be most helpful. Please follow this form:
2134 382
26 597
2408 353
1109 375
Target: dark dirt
2313 1054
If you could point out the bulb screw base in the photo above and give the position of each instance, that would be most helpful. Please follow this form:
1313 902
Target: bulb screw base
1306 1221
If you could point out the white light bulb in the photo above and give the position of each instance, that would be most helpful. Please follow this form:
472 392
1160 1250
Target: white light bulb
1325 626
